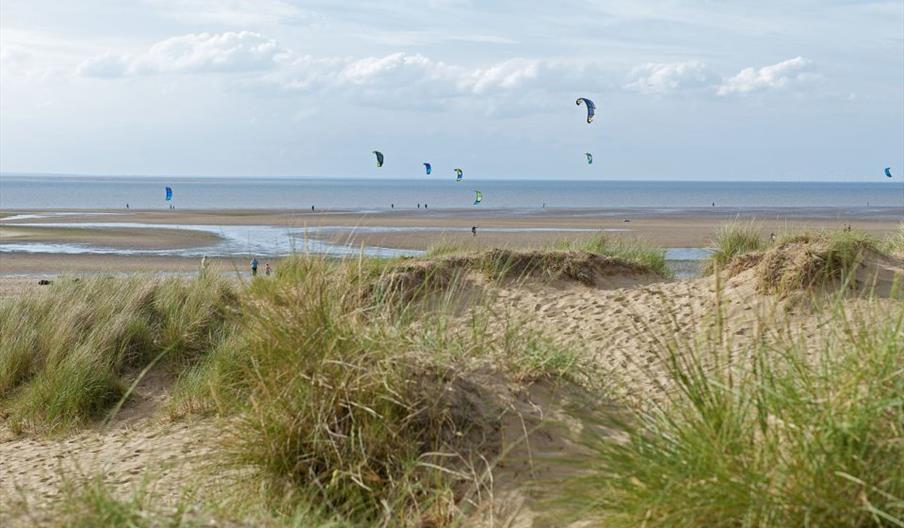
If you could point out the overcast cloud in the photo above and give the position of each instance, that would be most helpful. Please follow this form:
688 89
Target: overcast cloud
685 89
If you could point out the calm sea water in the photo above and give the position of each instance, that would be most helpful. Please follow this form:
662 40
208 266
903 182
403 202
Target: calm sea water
65 192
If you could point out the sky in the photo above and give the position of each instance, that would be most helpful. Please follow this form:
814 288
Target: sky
784 90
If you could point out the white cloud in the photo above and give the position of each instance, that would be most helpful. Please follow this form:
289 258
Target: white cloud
238 13
776 76
415 74
665 78
194 53
106 66
411 79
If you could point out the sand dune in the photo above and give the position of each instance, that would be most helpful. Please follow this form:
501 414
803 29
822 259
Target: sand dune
619 323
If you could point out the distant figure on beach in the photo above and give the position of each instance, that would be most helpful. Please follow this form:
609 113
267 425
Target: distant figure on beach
544 205
474 230
267 269
714 204
425 205
127 205
312 208
772 237
204 263
626 220
253 266
392 206
419 205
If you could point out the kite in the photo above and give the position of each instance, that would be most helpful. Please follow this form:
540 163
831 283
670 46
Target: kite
478 197
589 157
379 156
428 168
591 108
458 174
169 193
888 172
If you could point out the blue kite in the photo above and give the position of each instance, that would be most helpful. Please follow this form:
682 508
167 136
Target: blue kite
591 108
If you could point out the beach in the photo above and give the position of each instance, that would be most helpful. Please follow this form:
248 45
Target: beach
118 234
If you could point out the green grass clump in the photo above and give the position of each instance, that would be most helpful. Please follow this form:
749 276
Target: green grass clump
67 354
629 250
812 260
894 243
360 405
733 240
794 431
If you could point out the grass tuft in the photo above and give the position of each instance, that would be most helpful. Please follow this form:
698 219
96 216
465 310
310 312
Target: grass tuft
627 249
791 431
68 353
359 402
733 240
805 261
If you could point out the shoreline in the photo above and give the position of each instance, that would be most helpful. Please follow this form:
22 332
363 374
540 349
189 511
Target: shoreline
99 240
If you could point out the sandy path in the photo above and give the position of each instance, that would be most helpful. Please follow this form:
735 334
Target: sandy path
171 456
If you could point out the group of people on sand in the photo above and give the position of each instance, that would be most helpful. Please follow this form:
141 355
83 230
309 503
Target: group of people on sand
205 263
254 264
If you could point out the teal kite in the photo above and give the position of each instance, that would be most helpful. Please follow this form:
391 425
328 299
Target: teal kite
428 168
589 157
888 172
379 156
478 197
458 175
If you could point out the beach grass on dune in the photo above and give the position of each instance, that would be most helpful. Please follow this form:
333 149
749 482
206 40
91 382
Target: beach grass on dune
894 243
794 430
364 392
824 259
732 240
68 355
631 250
351 398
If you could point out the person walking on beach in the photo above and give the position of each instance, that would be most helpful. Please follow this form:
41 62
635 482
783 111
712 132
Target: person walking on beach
772 237
474 230
204 263
267 269
253 266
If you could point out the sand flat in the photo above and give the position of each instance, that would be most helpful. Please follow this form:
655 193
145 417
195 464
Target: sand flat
686 228
113 237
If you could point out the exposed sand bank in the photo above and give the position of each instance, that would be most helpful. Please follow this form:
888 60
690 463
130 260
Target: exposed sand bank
116 237
496 228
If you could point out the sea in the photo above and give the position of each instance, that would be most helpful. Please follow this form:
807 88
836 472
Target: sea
24 192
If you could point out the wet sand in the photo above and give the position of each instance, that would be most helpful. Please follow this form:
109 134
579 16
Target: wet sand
686 228
118 237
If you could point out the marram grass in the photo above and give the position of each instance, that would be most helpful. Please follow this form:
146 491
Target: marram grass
793 430
68 354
